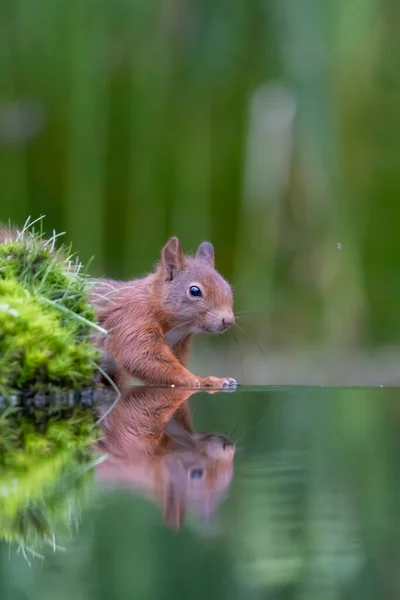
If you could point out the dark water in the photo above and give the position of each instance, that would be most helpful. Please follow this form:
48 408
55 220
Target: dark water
307 508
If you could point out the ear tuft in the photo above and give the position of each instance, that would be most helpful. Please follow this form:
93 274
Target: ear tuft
206 252
173 258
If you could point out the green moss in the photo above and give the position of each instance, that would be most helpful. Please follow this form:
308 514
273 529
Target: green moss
45 460
45 318
45 327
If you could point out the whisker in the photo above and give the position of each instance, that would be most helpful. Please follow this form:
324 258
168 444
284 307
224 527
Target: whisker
231 436
240 352
232 433
225 358
243 312
254 341
261 349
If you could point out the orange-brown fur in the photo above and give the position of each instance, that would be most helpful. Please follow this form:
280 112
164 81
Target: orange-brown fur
151 446
145 317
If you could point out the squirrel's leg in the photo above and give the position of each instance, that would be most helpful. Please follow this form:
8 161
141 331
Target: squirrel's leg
181 350
145 355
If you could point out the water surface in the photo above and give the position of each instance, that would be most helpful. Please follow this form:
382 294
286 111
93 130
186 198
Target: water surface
307 508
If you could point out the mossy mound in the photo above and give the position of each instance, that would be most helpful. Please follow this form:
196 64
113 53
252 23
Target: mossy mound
45 318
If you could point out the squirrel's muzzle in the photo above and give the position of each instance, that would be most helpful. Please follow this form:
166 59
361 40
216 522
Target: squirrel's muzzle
227 320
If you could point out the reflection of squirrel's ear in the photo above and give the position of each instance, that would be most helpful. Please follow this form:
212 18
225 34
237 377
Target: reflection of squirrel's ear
206 252
173 258
174 507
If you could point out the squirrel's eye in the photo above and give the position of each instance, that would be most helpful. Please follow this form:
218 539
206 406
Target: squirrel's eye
196 473
195 291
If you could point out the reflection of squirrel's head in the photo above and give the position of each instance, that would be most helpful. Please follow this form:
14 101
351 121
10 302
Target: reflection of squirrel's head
151 445
197 476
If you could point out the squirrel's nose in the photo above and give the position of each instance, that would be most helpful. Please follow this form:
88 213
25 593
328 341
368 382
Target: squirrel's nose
228 320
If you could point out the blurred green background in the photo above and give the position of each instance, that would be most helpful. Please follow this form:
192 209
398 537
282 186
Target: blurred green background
270 127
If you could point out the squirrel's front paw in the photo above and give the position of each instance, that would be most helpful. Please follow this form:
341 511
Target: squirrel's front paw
217 382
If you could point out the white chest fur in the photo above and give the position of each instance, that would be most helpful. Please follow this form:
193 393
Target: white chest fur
175 335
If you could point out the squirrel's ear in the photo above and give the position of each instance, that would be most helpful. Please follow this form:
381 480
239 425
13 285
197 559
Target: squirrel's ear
206 252
173 258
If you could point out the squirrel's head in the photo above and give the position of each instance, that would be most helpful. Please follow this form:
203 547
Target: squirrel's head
193 291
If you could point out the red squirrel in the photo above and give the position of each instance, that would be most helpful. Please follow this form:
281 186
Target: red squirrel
151 447
150 320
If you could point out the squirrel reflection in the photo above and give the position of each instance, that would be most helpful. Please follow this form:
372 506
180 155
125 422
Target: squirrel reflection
152 446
